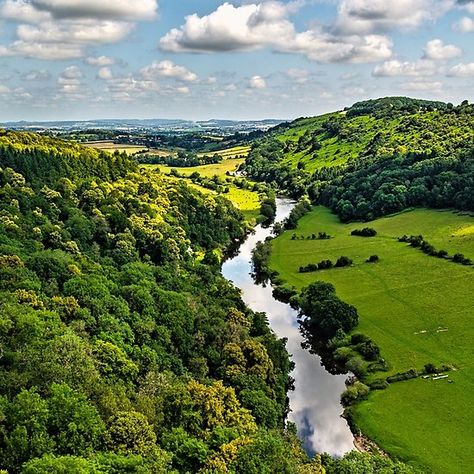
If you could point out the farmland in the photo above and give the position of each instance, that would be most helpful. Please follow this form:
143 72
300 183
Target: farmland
110 146
417 309
246 200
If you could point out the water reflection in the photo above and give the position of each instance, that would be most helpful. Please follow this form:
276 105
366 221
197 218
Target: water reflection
314 403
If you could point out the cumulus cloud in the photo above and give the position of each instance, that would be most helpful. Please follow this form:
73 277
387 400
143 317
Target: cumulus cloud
325 47
69 83
422 85
423 67
35 75
300 76
83 32
103 9
438 51
462 70
46 51
168 69
105 73
464 25
257 25
231 28
21 10
62 29
467 5
257 82
369 16
100 61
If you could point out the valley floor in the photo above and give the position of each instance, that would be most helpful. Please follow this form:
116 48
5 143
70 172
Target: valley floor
418 309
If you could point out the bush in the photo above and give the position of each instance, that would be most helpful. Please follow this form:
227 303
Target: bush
355 392
410 374
343 261
369 350
378 384
357 366
365 232
373 259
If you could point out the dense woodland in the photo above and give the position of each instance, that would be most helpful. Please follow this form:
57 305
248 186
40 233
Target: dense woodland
375 158
122 348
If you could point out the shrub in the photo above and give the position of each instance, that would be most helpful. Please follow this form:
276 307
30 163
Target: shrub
343 261
353 393
373 259
365 232
378 384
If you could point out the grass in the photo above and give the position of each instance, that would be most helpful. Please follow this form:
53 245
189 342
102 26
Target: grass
405 293
219 169
110 146
229 153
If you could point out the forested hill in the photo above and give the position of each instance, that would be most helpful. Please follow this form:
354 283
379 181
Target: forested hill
374 158
122 349
44 159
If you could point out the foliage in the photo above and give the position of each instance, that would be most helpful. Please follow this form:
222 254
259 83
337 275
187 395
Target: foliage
122 350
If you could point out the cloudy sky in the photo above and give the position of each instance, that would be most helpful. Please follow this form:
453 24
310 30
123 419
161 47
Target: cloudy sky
198 59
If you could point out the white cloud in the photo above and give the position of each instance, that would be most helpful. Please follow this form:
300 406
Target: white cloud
464 25
41 75
99 9
325 47
46 51
22 11
71 72
4 89
168 69
423 67
438 51
462 70
183 90
369 16
467 5
100 61
105 73
300 76
422 85
75 32
254 26
231 28
62 29
257 82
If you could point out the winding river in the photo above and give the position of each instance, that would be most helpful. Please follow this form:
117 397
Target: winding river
315 406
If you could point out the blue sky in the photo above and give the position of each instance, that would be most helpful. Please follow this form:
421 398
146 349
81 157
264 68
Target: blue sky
199 59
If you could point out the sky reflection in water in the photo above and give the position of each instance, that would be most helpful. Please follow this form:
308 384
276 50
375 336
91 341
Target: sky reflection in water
314 403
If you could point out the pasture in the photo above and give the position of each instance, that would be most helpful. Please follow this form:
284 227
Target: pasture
110 146
418 309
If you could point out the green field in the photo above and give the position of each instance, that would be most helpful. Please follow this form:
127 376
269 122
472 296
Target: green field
110 146
418 309
219 169
229 153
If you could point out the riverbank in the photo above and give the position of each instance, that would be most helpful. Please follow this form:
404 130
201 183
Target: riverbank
315 400
417 309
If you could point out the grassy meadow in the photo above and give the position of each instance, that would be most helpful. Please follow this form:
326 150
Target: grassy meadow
246 200
110 146
208 171
418 309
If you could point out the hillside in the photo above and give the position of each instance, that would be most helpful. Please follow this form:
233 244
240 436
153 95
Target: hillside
374 158
390 300
122 347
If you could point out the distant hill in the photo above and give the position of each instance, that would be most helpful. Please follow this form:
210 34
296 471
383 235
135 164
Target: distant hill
373 158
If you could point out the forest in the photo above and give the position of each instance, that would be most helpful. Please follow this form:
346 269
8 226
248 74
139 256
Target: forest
122 348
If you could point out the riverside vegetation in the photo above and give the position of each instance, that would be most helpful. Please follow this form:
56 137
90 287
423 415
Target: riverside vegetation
122 348
410 315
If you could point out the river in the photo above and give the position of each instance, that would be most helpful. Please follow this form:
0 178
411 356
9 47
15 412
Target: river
315 405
